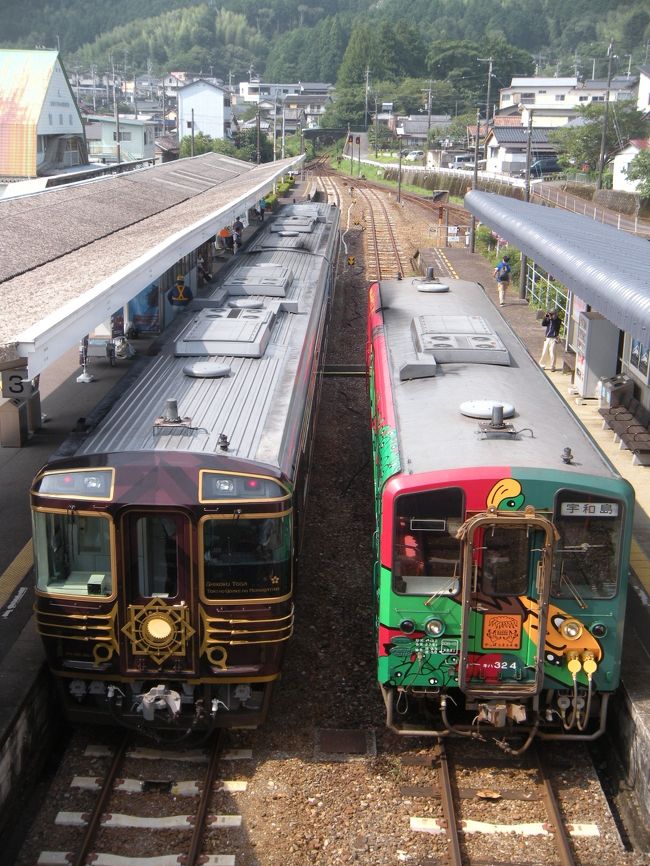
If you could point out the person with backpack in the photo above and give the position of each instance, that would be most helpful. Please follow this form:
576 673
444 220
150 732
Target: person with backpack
502 274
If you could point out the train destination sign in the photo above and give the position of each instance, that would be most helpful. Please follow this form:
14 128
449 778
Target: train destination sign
589 509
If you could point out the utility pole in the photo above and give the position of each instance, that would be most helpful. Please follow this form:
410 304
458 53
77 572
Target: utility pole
488 60
192 139
257 137
472 225
428 92
365 116
118 153
399 170
93 69
376 130
603 140
593 68
523 265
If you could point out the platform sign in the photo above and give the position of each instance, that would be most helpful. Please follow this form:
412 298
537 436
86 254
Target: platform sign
14 383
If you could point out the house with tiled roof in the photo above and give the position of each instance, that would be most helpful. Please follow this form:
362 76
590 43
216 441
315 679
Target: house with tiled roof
506 148
41 131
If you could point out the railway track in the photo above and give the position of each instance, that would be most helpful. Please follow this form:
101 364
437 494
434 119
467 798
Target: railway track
298 808
466 781
117 825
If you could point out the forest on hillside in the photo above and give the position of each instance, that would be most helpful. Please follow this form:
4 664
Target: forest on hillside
307 39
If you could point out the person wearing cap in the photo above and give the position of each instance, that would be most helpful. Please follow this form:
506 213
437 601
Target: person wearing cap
553 324
502 274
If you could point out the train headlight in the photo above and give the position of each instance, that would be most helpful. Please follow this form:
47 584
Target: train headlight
599 629
571 629
434 627
407 626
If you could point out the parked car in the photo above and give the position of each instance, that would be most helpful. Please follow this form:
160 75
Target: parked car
414 155
543 165
462 160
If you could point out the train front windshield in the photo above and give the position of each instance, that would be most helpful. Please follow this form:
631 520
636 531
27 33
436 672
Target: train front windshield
72 553
247 557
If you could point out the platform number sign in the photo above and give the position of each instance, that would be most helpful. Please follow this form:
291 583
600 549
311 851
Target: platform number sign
14 384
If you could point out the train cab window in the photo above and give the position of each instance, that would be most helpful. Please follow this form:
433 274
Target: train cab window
586 560
247 557
426 552
503 557
159 542
72 554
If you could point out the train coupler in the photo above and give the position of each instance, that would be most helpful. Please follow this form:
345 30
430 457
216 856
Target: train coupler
157 699
498 713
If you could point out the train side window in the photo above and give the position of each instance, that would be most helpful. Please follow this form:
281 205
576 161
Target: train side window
72 554
587 555
426 552
157 540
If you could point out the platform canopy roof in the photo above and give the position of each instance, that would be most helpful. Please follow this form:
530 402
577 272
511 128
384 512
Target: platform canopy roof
607 268
74 254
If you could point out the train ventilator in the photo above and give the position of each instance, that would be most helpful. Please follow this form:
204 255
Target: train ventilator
503 534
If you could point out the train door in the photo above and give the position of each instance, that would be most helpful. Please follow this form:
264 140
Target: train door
159 627
505 599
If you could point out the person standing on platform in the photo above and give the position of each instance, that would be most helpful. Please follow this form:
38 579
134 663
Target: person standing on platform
502 274
262 207
553 325
237 232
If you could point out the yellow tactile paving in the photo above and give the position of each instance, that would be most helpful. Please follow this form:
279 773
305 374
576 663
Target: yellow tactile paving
638 476
15 573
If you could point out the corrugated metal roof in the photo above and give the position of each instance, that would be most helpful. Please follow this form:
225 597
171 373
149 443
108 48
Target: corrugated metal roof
607 268
252 405
433 433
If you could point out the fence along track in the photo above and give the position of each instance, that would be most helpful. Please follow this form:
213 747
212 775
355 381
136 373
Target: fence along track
458 830
114 785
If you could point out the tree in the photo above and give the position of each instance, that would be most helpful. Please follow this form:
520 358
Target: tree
639 170
202 144
581 143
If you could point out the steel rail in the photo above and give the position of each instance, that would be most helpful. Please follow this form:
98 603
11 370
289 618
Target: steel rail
560 832
448 808
198 828
94 820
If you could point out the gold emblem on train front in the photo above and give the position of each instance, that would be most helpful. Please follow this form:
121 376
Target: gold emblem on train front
158 630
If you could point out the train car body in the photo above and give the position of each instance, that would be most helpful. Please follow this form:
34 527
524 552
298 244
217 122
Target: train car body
503 533
164 543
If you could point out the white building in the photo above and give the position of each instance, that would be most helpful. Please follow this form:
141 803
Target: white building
643 95
555 101
207 106
622 161
137 138
41 131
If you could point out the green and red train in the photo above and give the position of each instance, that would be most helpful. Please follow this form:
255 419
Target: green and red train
503 533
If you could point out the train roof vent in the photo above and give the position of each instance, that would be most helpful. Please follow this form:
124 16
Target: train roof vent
263 279
465 339
303 223
206 370
242 333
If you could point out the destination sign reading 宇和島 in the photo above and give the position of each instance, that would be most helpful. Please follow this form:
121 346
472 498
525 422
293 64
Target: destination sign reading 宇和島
589 509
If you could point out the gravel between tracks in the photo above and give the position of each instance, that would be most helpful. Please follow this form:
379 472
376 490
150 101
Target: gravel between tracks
302 807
